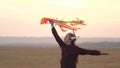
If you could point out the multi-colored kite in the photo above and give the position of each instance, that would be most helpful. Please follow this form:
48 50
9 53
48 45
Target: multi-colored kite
72 25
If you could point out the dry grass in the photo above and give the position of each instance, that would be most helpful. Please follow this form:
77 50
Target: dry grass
37 57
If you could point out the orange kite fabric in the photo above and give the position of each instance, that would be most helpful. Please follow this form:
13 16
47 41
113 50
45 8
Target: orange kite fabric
72 25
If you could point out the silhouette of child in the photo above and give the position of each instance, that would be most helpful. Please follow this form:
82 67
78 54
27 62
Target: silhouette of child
69 50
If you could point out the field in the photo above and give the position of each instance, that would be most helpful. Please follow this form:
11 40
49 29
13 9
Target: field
39 57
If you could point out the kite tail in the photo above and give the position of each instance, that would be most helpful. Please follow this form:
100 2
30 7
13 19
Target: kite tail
62 28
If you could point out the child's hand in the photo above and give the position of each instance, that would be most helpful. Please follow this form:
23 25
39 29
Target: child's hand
52 23
104 53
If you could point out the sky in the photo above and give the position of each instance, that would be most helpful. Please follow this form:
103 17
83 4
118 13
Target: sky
21 18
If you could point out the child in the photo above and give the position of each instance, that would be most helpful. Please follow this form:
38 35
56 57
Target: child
69 50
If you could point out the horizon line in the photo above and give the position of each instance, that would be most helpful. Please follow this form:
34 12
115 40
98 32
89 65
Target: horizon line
50 37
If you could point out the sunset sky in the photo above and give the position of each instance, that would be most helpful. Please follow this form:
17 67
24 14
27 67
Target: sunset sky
22 17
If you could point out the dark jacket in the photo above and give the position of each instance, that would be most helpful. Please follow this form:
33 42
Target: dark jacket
71 52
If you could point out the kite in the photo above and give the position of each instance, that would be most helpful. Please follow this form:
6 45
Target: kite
71 25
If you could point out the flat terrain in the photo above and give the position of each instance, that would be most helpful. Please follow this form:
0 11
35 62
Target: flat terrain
38 57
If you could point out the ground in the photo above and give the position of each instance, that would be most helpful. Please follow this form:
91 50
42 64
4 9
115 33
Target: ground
39 57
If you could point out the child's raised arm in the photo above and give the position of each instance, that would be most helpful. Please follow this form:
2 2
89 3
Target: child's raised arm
55 34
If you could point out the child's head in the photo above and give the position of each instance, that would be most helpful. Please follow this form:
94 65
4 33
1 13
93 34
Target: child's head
70 38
